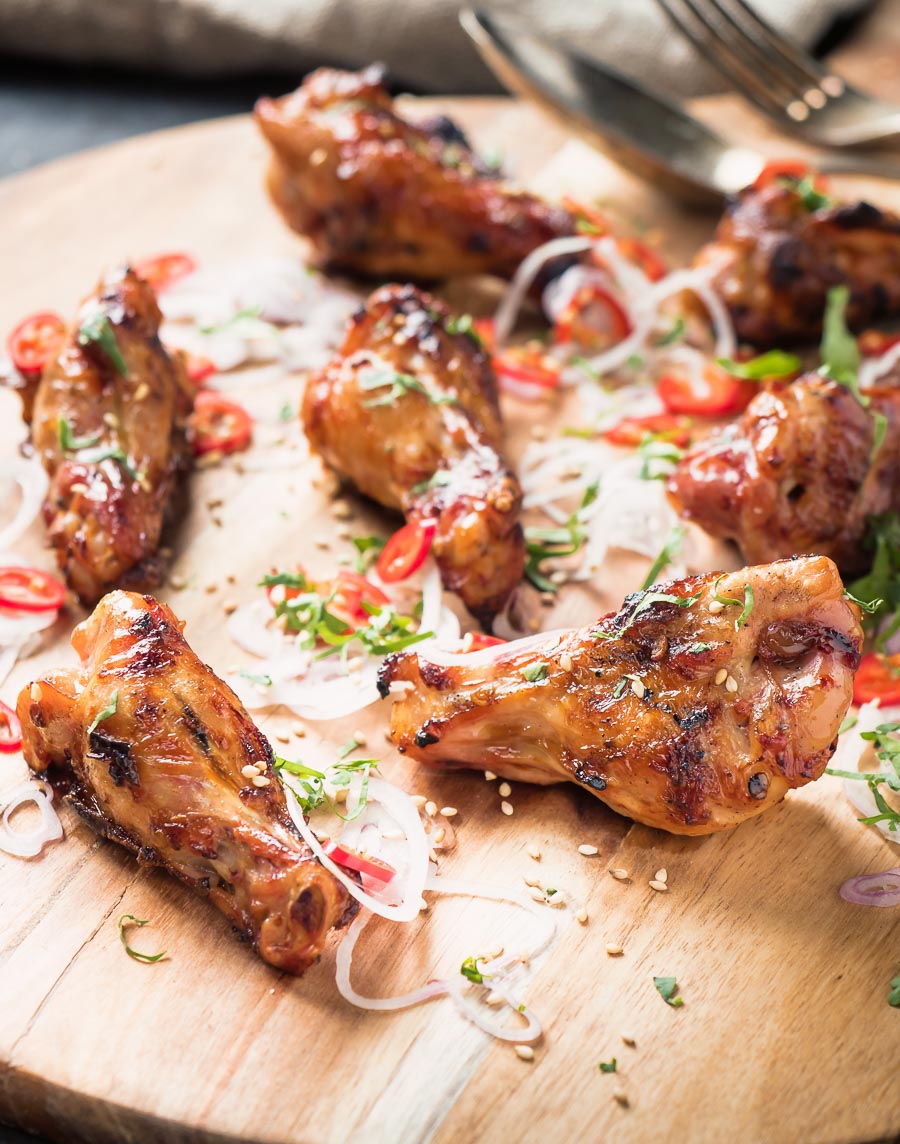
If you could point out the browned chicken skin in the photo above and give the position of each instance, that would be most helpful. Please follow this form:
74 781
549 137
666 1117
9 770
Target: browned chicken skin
162 776
428 445
640 708
111 481
796 473
773 261
379 196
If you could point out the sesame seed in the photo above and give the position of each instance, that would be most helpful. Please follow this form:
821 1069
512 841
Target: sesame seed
78 487
662 875
619 874
468 640
532 882
229 607
36 694
250 771
431 808
418 800
449 811
582 916
260 781
621 1097
534 624
490 776
614 950
716 606
504 790
494 998
638 688
360 738
660 887
538 896
721 675
178 583
323 544
111 420
587 850
210 588
731 684
525 1052
629 1039
340 510
506 807
282 738
558 577
534 853
548 599
439 836
566 662
299 730
141 392
393 835
209 460
539 432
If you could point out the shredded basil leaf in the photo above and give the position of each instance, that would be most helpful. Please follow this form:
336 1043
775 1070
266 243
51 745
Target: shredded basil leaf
667 987
894 995
887 748
108 711
259 680
650 598
98 329
677 332
775 363
67 442
667 554
130 919
812 199
397 384
535 672
464 324
367 548
658 457
469 969
608 1066
747 602
349 747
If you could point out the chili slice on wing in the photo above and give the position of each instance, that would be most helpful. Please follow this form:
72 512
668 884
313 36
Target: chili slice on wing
30 590
406 550
35 341
10 729
219 425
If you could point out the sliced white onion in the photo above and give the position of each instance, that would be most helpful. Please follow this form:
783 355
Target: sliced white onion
559 292
436 616
32 482
851 750
28 844
253 628
529 269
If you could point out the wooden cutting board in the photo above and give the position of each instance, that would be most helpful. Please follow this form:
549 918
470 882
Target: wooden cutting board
785 1033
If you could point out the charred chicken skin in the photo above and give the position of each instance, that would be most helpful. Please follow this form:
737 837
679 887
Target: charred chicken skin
797 472
152 749
678 711
408 412
773 261
379 196
109 426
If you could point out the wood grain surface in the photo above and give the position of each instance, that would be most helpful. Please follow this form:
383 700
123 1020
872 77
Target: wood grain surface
785 1034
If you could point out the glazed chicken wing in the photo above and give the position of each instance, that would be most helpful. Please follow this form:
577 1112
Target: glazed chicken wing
797 472
774 259
679 711
154 751
379 196
109 427
408 411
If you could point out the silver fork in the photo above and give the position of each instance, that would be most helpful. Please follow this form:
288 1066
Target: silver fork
780 78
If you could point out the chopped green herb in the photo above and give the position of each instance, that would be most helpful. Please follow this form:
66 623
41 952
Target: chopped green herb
677 332
535 672
469 969
657 457
812 199
308 784
698 648
546 543
667 987
98 329
67 442
667 554
464 324
838 350
130 919
747 602
881 584
287 412
440 479
259 680
775 363
349 747
550 891
248 317
894 995
397 384
848 724
367 549
870 607
608 1066
650 598
82 447
108 711
623 684
634 361
887 747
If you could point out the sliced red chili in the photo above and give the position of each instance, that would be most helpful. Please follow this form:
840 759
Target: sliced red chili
363 863
478 641
874 343
594 317
406 550
591 220
30 590
10 729
526 371
710 393
643 256
878 677
35 342
163 270
631 431
219 425
198 368
352 594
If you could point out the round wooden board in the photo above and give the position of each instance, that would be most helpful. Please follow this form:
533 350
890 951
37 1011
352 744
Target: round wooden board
785 1033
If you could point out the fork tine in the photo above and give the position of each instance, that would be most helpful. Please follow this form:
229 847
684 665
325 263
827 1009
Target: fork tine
703 34
801 63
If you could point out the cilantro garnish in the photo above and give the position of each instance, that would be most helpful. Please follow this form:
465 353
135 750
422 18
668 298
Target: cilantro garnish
887 748
650 598
259 680
469 969
286 412
147 958
83 448
548 543
667 987
98 329
608 1066
67 442
535 672
108 711
894 995
677 332
367 548
747 602
654 451
308 784
775 363
841 357
464 324
667 554
349 747
812 199
397 384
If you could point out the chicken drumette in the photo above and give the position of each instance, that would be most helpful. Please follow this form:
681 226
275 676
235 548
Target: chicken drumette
779 249
109 426
408 411
380 196
697 705
797 472
150 747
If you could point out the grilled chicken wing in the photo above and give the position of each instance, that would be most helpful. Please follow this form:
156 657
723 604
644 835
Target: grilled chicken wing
663 710
163 773
796 473
773 260
379 196
408 411
109 427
